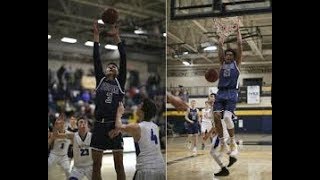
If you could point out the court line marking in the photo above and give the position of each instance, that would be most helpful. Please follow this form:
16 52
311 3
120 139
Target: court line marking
182 159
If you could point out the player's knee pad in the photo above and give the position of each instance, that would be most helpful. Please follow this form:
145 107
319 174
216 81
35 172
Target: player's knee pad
73 178
216 156
228 119
213 152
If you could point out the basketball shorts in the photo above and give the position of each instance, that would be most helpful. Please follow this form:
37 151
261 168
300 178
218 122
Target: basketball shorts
206 126
193 128
226 100
62 161
100 137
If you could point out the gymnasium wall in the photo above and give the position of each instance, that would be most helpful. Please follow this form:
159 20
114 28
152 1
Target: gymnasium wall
201 81
249 120
141 67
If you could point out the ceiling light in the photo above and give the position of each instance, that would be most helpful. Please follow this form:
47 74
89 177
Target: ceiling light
210 48
186 63
139 31
111 47
68 40
100 21
88 43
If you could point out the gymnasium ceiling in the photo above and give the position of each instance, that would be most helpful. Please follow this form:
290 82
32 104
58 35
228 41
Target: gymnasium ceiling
74 18
188 35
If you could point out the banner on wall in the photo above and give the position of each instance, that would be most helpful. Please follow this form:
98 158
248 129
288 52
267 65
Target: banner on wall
253 94
242 94
88 82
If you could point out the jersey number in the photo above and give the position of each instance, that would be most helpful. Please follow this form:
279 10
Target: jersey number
226 73
154 137
84 152
109 98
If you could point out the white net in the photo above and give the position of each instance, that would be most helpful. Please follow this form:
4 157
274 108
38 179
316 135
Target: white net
225 26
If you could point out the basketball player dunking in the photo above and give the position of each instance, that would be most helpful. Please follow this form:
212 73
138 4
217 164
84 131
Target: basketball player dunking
150 164
109 92
227 95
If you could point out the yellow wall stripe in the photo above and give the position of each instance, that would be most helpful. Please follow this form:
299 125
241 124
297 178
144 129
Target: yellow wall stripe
238 113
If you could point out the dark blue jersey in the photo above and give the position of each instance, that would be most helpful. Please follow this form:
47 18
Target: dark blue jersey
109 92
193 115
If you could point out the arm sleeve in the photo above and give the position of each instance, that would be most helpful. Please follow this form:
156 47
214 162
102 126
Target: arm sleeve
97 63
122 65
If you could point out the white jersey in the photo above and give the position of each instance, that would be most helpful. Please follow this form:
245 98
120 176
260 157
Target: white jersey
60 146
82 150
150 156
206 115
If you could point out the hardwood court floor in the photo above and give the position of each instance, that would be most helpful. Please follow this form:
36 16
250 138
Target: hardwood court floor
254 162
108 172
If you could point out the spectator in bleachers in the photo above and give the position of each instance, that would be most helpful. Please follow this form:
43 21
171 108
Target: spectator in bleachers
184 95
85 96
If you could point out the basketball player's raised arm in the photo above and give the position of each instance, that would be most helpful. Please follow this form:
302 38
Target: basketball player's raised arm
64 135
133 128
96 54
220 51
240 48
177 102
123 59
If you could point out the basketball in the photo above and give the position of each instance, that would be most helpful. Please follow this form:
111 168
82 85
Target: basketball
211 75
110 16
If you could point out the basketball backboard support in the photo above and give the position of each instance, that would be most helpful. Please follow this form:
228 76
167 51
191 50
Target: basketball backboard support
192 9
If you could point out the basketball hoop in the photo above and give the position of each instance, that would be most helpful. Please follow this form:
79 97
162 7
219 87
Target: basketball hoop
225 26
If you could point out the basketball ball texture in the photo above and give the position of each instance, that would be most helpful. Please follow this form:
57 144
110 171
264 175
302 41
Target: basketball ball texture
211 75
110 16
